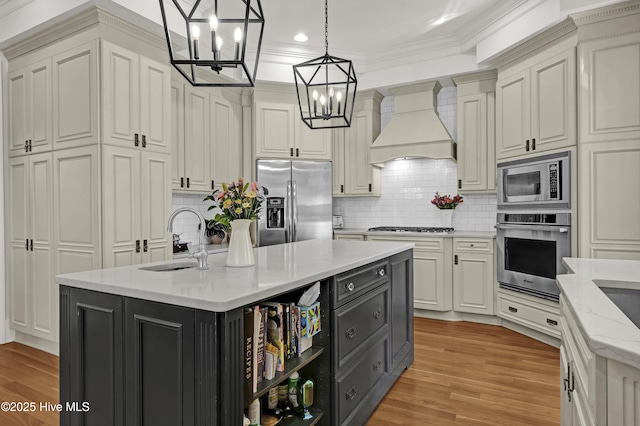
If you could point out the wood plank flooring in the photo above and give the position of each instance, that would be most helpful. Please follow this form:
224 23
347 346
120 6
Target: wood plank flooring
474 374
463 374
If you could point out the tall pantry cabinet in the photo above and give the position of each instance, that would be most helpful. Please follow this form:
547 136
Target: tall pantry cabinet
89 169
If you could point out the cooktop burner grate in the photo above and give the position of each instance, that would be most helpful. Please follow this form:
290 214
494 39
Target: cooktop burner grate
411 229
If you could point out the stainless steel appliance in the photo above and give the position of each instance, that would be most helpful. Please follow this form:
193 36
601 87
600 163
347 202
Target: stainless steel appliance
338 221
530 250
299 204
540 182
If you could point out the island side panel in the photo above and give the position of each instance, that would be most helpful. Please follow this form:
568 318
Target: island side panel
401 278
207 368
231 333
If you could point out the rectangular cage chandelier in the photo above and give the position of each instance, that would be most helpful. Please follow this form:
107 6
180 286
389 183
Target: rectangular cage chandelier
326 88
214 37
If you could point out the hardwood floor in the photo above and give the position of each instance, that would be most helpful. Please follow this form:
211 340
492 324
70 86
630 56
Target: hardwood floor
464 374
474 374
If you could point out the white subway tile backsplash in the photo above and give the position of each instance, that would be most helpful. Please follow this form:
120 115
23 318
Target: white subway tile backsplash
187 223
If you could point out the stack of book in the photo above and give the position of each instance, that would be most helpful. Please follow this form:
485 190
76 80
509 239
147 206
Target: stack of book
275 332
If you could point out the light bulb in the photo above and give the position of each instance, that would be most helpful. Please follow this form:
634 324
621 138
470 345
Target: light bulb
315 95
213 22
322 99
339 96
195 30
237 35
219 43
331 91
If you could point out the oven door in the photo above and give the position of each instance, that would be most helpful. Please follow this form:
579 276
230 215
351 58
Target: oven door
530 257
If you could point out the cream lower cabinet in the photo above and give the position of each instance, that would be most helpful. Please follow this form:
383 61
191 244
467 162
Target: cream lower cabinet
135 100
30 102
32 289
474 276
535 105
137 204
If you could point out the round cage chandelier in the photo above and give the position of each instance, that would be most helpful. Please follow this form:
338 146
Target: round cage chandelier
326 87
231 49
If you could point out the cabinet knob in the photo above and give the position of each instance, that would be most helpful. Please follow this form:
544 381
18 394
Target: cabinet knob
377 366
512 309
377 314
350 286
382 272
552 322
351 393
350 333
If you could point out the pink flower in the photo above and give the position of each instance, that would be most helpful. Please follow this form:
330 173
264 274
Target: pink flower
254 186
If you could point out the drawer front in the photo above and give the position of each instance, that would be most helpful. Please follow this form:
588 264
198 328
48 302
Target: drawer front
537 317
426 243
360 377
355 322
473 245
352 284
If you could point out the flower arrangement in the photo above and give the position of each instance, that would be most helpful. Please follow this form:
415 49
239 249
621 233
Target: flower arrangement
445 202
238 200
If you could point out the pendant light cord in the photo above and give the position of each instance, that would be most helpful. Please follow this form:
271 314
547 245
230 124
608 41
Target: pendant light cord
326 27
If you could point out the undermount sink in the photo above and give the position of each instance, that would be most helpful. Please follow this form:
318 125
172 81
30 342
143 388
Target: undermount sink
625 295
168 267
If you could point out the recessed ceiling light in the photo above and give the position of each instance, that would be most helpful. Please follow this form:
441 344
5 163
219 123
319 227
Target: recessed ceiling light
301 37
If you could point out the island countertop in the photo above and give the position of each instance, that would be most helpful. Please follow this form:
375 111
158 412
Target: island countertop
278 269
606 329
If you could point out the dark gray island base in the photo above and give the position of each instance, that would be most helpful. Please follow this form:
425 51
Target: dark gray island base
143 362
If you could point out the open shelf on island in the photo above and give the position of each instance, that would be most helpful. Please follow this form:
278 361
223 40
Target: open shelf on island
297 421
291 365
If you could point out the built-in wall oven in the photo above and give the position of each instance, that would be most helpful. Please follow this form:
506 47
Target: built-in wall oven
533 229
530 251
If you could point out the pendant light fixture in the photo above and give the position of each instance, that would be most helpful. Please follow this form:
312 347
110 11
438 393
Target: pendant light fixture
214 38
326 87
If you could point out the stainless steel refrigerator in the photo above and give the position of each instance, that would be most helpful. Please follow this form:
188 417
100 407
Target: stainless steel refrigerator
299 204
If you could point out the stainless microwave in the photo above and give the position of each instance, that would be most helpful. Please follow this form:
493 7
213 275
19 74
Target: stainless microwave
538 182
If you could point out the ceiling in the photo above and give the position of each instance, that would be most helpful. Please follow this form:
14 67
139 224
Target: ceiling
390 43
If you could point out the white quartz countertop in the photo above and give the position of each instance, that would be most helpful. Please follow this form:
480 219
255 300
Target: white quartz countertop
278 269
606 329
211 249
454 234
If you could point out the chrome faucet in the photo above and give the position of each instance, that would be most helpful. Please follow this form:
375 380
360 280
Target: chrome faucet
201 254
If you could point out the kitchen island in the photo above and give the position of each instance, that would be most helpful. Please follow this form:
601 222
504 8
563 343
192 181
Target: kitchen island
149 347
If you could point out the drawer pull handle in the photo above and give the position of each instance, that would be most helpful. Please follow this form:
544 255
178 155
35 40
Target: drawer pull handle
350 333
350 286
381 272
377 314
377 366
512 309
552 322
352 393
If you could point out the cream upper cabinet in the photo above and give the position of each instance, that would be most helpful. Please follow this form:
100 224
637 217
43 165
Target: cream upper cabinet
75 97
33 291
226 141
274 130
137 204
353 175
536 106
177 135
135 100
474 276
476 133
30 102
311 144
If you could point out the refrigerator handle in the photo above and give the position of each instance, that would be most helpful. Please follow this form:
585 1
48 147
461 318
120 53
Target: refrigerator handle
288 228
294 205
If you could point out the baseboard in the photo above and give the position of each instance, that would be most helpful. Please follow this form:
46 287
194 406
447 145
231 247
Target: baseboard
38 343
488 319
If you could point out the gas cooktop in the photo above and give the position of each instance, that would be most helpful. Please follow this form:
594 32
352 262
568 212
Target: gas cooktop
432 230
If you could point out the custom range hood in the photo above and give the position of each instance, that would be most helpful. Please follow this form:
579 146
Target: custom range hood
415 129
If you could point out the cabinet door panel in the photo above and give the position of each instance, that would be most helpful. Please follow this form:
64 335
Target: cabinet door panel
177 134
312 144
121 207
75 97
473 283
473 159
39 98
197 140
17 95
429 280
159 389
274 130
226 146
358 139
97 365
512 115
155 108
401 268
338 162
156 205
120 95
611 72
553 102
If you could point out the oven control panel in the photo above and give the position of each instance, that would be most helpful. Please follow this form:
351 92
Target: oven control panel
553 181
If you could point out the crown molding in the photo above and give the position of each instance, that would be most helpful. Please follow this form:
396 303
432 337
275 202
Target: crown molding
605 13
475 76
551 35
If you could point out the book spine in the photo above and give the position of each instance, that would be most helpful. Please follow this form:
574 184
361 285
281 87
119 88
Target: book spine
248 355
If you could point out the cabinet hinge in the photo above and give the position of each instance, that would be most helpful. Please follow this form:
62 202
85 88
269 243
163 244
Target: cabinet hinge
455 259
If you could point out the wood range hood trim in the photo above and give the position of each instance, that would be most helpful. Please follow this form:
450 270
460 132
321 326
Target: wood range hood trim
415 129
